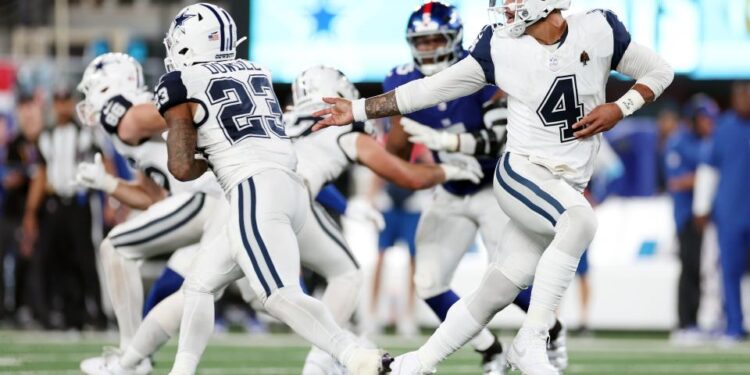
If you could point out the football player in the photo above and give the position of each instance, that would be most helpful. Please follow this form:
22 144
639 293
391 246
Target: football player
227 109
472 125
324 156
554 70
175 213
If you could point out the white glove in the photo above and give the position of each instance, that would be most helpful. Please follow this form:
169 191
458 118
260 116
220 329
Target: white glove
94 176
458 166
431 138
360 210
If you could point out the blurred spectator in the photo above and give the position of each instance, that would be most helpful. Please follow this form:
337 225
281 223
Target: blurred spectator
683 154
722 184
667 122
20 160
64 260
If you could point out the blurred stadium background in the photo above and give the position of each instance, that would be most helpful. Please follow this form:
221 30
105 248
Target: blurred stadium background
629 323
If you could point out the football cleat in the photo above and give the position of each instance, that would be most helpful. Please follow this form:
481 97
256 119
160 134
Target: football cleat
493 360
369 362
557 349
409 364
109 364
528 352
319 362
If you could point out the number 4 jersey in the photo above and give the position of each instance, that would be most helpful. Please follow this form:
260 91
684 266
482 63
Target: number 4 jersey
238 117
551 87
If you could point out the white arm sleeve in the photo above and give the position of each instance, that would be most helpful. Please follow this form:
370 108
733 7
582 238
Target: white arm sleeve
646 67
706 182
462 78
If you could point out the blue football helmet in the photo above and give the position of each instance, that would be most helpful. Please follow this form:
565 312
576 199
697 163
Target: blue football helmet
435 18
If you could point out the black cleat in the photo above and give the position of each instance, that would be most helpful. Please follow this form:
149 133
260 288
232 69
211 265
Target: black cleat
493 359
385 364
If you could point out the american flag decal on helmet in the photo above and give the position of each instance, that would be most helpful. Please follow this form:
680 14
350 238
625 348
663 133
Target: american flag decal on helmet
214 36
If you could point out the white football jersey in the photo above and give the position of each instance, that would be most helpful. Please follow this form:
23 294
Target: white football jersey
324 155
550 88
150 155
240 129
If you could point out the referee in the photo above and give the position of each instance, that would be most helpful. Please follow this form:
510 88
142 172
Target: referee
61 213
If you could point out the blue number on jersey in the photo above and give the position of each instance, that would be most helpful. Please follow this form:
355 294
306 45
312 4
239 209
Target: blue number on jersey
561 107
262 87
235 114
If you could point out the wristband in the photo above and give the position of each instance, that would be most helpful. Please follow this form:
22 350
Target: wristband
630 102
358 110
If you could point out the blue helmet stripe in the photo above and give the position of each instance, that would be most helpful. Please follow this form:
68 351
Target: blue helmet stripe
231 24
221 23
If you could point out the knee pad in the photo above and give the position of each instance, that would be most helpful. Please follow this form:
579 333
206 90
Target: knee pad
353 278
282 299
575 230
195 284
519 267
428 284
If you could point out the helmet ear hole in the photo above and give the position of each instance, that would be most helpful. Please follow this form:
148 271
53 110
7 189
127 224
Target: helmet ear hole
183 51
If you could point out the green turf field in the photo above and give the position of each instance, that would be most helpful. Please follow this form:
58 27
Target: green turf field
45 353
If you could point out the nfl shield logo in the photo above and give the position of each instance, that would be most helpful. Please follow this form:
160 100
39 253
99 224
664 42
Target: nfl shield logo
214 36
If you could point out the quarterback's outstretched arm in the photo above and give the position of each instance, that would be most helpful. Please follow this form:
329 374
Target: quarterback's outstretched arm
182 141
462 78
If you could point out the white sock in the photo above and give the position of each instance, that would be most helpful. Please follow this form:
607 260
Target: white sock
123 280
341 296
458 328
195 331
309 318
554 274
161 323
483 340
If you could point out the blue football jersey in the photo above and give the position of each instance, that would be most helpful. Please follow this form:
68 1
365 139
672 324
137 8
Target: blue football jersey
456 116
730 154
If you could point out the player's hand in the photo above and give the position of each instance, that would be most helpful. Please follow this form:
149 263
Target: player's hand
601 119
361 210
94 176
338 114
431 138
460 167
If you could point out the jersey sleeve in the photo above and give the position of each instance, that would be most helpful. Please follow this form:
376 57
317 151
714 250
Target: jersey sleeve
170 92
481 51
620 36
113 112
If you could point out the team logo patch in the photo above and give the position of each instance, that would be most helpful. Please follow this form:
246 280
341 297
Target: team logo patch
585 58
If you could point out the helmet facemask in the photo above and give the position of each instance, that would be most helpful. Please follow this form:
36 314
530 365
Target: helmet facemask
432 61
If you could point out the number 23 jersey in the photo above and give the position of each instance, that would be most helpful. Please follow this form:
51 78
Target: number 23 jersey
238 117
550 88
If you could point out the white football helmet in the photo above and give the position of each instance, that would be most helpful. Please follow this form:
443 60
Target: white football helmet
308 90
512 17
200 33
106 76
